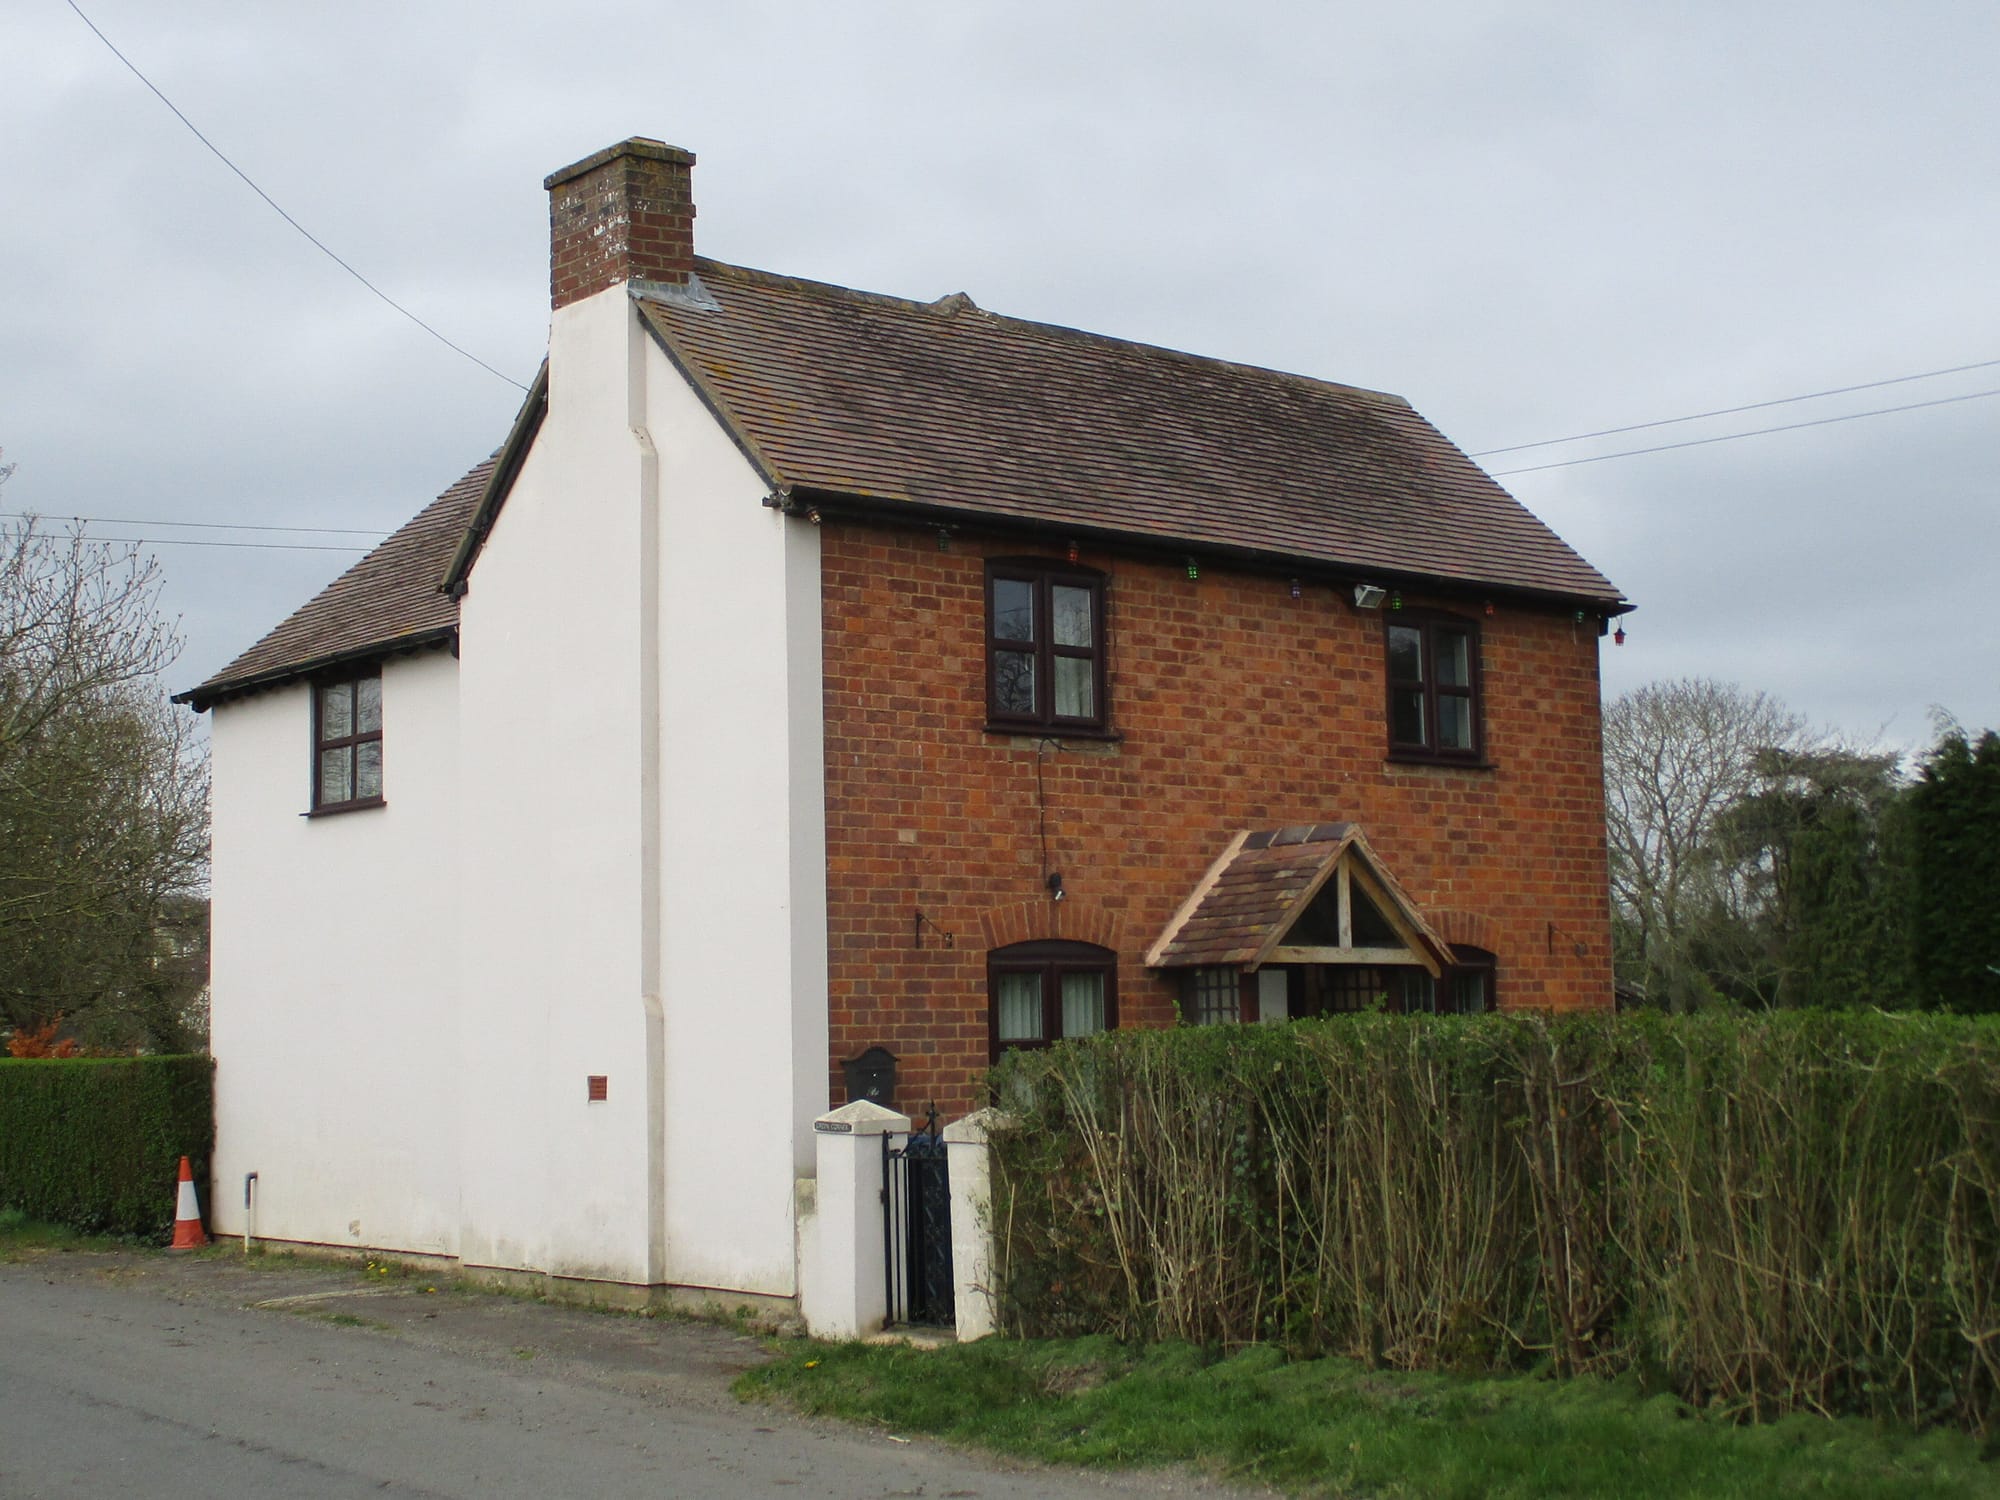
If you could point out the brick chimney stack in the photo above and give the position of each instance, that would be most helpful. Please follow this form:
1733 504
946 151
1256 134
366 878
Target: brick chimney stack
625 213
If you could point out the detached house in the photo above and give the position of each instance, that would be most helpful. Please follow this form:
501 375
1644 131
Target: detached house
812 671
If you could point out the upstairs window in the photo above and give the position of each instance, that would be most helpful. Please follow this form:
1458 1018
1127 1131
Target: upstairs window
347 744
1434 689
1049 991
1044 647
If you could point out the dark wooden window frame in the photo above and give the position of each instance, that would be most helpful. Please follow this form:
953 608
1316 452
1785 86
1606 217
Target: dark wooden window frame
1354 989
321 742
1467 962
1042 575
1211 989
1428 624
1051 958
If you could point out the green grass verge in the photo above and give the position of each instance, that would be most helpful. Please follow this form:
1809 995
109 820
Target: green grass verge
1332 1427
22 1238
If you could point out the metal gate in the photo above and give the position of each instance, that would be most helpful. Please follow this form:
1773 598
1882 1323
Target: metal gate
916 1227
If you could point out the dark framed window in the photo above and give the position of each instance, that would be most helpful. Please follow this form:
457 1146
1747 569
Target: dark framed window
1049 991
1434 688
1044 646
1212 997
347 743
1464 988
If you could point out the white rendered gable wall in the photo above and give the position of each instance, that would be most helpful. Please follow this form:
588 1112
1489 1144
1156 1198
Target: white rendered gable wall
641 877
742 833
603 854
334 978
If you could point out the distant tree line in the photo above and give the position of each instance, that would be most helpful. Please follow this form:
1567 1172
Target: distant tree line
1758 863
103 805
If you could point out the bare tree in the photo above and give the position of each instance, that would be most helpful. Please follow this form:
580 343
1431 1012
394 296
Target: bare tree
1677 757
103 795
78 619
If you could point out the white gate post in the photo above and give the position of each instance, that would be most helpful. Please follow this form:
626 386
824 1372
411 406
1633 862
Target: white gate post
842 1293
970 1165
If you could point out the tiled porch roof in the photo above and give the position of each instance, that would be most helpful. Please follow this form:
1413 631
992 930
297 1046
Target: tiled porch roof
1246 903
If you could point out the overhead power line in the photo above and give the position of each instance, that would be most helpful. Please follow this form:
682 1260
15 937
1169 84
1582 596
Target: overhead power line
1728 411
1730 437
17 515
170 541
316 241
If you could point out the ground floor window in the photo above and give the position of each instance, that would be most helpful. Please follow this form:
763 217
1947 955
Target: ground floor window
1466 987
1213 997
1048 991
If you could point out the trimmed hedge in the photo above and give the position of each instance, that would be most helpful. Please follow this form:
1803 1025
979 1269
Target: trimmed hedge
1790 1211
95 1143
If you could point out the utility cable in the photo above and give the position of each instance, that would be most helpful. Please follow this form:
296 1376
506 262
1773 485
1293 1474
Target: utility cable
1726 411
1730 437
16 515
317 242
169 541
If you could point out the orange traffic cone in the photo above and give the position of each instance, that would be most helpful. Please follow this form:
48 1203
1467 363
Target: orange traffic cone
187 1214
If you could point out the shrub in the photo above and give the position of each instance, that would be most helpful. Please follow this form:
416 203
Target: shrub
1794 1211
95 1143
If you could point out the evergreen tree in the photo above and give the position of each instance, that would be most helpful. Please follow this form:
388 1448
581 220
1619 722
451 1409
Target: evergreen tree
1955 887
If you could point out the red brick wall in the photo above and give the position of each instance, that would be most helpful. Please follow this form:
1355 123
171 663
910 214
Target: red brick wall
1239 707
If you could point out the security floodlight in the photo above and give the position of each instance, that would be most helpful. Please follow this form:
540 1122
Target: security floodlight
1369 595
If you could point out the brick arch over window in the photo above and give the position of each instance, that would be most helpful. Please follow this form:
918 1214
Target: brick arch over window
1469 929
1075 919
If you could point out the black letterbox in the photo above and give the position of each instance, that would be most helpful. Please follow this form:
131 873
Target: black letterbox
872 1076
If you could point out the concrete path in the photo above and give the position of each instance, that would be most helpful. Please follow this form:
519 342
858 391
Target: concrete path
213 1379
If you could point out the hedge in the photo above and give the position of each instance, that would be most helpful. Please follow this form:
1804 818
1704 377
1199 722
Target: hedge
95 1143
1790 1211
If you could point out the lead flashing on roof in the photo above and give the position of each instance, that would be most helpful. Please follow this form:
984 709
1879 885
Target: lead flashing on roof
692 295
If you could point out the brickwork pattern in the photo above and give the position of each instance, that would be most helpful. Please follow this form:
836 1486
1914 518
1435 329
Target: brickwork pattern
628 216
1237 706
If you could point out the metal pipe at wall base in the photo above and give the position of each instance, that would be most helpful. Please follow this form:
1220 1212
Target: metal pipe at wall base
249 1199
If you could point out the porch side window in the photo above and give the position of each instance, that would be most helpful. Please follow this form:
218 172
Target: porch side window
1213 997
347 743
1464 988
1048 991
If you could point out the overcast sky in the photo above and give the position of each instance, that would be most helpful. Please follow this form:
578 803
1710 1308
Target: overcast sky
1532 220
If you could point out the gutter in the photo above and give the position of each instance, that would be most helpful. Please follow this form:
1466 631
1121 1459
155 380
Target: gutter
202 698
834 504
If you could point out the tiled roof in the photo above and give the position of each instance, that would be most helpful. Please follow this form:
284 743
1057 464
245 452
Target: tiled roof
947 409
1253 893
945 406
389 600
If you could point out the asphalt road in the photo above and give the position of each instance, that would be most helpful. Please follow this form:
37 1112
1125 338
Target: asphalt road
139 1376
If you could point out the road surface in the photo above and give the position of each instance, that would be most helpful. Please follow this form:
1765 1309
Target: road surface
213 1379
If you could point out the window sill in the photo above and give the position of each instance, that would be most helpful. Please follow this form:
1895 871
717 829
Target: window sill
1417 758
1102 740
334 810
